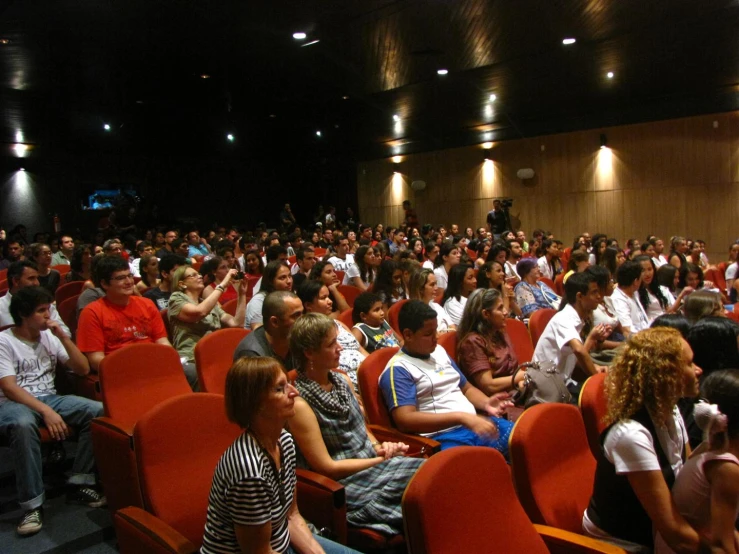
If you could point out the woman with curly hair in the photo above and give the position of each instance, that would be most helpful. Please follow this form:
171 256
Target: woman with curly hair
643 446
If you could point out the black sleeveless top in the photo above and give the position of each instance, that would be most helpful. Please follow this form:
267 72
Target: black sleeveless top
614 507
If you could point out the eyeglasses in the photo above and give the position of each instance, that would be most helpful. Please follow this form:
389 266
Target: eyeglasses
121 278
191 275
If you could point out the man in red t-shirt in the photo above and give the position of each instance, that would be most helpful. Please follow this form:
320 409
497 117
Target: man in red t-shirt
119 318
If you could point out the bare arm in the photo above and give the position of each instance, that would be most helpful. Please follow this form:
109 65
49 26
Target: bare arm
254 539
410 420
77 362
357 282
651 490
164 341
341 303
361 346
237 320
190 313
724 479
307 433
53 421
301 539
582 350
361 339
490 385
95 358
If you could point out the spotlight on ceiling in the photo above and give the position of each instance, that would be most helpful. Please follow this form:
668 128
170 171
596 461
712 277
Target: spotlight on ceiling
21 169
230 137
603 141
204 76
396 159
569 40
299 36
4 41
487 145
396 117
493 97
318 134
442 71
106 127
609 74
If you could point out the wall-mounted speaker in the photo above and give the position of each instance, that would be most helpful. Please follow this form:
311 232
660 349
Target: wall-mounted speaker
418 185
526 173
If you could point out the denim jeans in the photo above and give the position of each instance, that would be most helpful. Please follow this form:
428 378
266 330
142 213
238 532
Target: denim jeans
22 424
329 547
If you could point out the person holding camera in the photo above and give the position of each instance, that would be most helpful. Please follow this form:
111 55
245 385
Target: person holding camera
498 218
191 318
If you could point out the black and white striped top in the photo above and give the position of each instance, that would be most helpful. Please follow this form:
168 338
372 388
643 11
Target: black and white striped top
245 492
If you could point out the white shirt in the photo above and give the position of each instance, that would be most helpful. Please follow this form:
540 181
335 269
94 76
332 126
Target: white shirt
32 364
628 310
510 270
659 261
341 265
442 278
553 345
654 309
443 321
455 308
5 318
254 310
544 268
428 264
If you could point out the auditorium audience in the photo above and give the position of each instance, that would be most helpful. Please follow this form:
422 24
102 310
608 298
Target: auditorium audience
703 303
276 277
462 282
449 256
623 302
324 273
531 294
213 272
47 277
149 267
423 287
370 328
80 263
161 293
388 284
650 294
361 273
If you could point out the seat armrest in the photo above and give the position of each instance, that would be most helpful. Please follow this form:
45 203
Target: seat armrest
322 502
560 541
419 446
138 531
114 425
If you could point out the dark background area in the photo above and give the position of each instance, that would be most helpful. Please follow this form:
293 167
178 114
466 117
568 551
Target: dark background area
173 77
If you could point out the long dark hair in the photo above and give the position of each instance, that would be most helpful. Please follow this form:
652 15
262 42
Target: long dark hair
366 273
609 259
472 319
384 279
455 283
653 287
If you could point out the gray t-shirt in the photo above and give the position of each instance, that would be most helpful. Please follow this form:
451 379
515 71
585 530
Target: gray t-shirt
185 335
255 344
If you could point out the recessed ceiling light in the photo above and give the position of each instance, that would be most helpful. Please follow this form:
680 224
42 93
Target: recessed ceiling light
396 159
609 74
299 36
22 169
487 145
204 76
310 43
230 137
106 127
442 71
318 134
345 97
272 116
493 97
569 40
396 117
4 41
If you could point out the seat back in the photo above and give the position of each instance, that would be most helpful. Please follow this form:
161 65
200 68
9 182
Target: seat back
340 276
178 444
547 281
564 258
538 322
214 357
350 293
718 279
593 406
392 316
448 342
230 306
559 284
444 499
67 290
552 466
3 287
137 377
368 376
520 339
347 318
63 269
68 312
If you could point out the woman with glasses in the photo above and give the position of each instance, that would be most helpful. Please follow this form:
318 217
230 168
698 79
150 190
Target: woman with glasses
47 277
191 317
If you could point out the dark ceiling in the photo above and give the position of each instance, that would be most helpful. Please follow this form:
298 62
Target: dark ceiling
71 66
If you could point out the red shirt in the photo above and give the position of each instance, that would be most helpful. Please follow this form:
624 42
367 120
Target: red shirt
106 327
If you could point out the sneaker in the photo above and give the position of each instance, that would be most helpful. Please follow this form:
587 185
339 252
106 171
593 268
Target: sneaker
87 496
30 523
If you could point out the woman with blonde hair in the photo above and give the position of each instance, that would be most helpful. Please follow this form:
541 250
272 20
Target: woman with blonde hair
644 444
422 286
333 439
252 505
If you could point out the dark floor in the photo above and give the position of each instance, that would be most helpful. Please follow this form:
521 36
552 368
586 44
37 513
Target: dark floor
67 528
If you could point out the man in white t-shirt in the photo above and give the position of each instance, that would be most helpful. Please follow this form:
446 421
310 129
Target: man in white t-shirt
515 253
561 341
623 301
29 353
341 260
659 247
23 274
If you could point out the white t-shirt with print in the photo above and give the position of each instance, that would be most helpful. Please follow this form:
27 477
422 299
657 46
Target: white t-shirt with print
554 343
32 363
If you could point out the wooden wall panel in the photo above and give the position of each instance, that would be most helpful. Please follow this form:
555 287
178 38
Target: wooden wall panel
667 177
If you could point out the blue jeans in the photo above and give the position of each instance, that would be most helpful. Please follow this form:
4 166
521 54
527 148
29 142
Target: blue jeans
329 547
461 436
22 424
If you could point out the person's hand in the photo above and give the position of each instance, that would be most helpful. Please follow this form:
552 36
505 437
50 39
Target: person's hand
391 449
498 404
600 332
708 285
600 368
227 279
333 287
243 286
509 291
55 329
56 426
481 426
686 291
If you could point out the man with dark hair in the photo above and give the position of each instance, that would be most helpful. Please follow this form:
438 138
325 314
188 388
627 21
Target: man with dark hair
160 294
181 248
22 274
64 254
341 259
280 311
327 239
119 318
365 232
113 247
513 256
623 301
428 394
306 259
497 219
561 341
13 253
398 244
196 246
29 353
143 248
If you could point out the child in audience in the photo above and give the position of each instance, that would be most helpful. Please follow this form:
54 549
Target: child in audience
706 491
370 328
